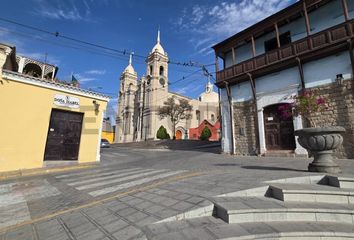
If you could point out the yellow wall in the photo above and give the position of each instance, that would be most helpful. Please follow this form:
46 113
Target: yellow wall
108 135
24 120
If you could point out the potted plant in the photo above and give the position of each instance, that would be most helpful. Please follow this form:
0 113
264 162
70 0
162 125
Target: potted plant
318 140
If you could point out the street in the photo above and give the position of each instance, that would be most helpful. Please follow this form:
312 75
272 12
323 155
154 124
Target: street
131 189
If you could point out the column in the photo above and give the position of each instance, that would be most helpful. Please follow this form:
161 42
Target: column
253 46
21 65
299 150
277 34
262 140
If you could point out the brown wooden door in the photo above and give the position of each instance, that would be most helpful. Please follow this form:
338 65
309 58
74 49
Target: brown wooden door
279 133
178 135
63 140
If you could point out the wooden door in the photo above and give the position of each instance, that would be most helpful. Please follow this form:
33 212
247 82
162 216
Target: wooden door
279 132
63 140
178 135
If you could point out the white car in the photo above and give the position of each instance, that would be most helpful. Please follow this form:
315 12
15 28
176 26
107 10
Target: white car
105 143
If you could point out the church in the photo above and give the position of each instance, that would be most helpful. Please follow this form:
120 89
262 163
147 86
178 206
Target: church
139 101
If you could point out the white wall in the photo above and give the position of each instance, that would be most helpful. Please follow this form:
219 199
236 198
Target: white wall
226 128
350 4
278 80
228 59
259 42
326 16
324 71
241 92
243 52
297 29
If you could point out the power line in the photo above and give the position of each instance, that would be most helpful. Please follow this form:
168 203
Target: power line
122 52
169 84
26 35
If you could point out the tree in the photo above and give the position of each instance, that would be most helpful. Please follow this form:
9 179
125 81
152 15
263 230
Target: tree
162 133
175 112
206 134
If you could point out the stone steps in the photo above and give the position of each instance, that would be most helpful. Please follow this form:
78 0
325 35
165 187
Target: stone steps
311 193
208 228
341 182
279 153
322 207
262 209
283 230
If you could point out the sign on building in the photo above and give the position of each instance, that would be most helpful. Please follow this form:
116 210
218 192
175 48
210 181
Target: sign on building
66 101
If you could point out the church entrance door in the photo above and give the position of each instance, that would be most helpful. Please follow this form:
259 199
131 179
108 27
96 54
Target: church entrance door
178 135
279 132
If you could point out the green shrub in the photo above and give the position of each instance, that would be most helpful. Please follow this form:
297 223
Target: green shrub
206 134
162 133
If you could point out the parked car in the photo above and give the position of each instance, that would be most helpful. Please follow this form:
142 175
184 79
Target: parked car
105 143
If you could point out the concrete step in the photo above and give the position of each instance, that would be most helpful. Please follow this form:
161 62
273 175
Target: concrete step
262 209
311 193
284 230
212 228
341 181
280 153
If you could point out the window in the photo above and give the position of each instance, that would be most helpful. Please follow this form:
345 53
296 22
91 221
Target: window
33 70
161 71
272 43
212 117
150 70
197 113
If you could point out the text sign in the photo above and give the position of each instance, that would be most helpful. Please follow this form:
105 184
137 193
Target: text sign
66 101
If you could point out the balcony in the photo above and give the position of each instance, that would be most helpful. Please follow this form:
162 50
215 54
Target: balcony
308 48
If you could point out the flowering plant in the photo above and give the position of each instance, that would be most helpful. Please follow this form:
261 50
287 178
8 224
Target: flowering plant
305 104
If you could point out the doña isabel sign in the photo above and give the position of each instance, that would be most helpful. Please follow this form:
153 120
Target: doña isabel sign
66 101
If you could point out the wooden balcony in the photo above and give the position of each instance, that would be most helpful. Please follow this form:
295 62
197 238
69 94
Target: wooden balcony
309 48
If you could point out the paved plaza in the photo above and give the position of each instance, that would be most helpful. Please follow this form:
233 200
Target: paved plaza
137 194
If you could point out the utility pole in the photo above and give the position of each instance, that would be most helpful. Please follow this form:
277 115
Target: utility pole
142 113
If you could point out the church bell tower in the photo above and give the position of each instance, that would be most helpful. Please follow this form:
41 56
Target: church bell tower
156 86
126 104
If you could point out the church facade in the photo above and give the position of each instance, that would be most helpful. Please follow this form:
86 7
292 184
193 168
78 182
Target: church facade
139 101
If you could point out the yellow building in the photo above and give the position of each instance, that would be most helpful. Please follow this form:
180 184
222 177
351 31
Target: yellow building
43 121
108 130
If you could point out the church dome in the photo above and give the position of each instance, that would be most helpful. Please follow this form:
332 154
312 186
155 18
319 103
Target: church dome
129 68
209 95
158 48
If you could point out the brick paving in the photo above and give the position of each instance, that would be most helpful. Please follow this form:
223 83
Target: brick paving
131 216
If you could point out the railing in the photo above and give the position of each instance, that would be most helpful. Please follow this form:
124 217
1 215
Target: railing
323 39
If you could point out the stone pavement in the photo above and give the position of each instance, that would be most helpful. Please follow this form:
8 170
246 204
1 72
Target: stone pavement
132 190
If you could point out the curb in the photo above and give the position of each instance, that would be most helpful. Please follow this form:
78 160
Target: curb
43 171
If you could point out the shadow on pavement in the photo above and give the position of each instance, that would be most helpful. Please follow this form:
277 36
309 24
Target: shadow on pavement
184 145
273 168
227 165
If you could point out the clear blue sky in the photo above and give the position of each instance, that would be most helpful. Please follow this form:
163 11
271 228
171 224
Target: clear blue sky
188 30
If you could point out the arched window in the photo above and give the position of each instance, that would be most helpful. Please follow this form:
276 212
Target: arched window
150 70
161 71
48 76
130 88
197 113
33 70
212 117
